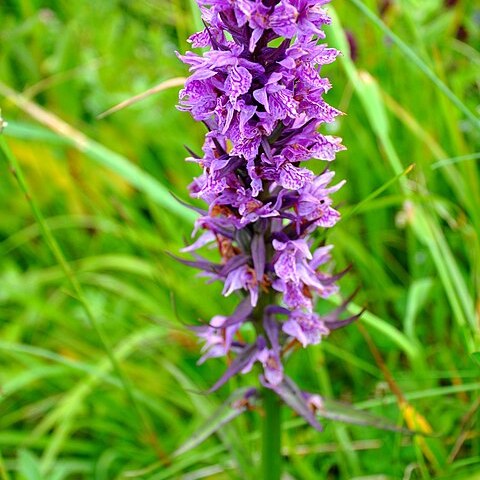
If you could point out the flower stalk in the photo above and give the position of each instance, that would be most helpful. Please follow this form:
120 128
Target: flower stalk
271 437
258 87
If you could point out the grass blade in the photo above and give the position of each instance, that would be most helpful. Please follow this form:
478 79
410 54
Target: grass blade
223 415
105 157
417 61
173 82
71 277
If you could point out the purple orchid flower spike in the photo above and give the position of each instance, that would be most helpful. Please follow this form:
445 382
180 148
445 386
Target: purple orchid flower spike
263 106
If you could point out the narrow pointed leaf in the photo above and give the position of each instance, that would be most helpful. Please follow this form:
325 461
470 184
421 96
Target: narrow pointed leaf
334 314
201 211
243 310
241 362
200 264
341 412
223 415
336 324
289 392
258 254
476 357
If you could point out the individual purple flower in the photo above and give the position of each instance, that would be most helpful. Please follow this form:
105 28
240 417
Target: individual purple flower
311 17
238 82
315 204
273 369
259 89
307 327
290 254
218 340
276 98
283 20
244 278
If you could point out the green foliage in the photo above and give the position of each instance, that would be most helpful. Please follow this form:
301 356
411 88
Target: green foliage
98 372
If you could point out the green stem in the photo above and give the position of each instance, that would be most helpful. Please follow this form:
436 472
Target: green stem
271 453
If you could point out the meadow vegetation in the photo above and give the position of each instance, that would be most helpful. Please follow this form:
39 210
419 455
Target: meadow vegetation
98 371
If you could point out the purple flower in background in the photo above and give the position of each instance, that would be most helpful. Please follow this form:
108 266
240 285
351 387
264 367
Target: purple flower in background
259 90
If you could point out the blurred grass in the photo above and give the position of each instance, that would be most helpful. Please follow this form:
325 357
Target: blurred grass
103 188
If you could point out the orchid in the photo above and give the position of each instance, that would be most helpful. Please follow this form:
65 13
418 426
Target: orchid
259 90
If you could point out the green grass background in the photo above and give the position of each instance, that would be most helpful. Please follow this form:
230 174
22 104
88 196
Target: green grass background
98 373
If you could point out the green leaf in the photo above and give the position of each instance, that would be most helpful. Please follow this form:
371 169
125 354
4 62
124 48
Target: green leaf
109 159
417 297
340 412
223 415
476 357
28 465
411 55
33 133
